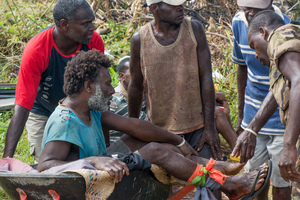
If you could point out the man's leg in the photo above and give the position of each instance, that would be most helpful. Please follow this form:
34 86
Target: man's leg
193 139
182 168
281 189
35 126
260 156
134 144
224 127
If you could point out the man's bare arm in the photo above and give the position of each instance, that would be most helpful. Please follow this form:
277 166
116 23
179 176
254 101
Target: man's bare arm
289 65
210 134
246 141
144 131
241 85
136 85
57 153
15 130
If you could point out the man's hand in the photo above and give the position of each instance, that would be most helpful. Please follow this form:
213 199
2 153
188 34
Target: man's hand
211 137
245 146
287 164
187 150
113 166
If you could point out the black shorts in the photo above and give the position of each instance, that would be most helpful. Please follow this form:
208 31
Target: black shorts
193 138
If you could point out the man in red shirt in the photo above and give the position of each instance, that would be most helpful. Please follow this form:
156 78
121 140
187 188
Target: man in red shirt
40 79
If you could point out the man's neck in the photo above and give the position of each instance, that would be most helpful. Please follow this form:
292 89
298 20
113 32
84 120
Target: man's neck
65 45
165 33
80 108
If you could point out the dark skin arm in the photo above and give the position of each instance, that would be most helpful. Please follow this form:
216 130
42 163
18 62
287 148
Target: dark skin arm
245 144
136 85
15 130
210 134
60 152
241 84
289 65
144 131
222 101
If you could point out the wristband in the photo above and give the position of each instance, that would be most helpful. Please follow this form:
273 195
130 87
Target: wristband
251 131
181 144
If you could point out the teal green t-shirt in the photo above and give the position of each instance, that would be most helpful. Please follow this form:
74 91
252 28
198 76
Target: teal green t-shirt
64 125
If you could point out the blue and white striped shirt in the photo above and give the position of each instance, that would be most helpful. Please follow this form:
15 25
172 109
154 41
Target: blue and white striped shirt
257 74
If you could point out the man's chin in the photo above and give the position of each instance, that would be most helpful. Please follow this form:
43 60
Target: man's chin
102 108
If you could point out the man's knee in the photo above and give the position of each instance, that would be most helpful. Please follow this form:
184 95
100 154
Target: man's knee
153 151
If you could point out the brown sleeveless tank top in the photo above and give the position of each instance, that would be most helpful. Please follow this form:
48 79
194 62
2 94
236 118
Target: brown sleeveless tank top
172 82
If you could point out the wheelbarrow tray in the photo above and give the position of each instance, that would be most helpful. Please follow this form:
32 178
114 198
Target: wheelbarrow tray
138 185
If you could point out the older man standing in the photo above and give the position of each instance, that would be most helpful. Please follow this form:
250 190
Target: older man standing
170 59
253 86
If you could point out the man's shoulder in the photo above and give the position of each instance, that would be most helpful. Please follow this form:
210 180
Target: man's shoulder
44 38
284 33
285 38
239 20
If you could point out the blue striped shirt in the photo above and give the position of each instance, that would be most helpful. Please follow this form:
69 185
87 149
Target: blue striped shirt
257 74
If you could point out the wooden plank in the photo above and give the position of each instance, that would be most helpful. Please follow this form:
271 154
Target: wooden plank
6 104
8 85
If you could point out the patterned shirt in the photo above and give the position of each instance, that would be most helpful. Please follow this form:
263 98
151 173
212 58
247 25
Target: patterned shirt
282 40
257 75
120 107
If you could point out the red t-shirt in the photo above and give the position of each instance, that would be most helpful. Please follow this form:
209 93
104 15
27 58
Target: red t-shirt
40 79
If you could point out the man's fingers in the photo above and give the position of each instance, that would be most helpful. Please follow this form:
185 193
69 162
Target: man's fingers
194 152
249 153
125 167
293 174
243 153
214 152
200 145
219 151
284 173
236 150
119 173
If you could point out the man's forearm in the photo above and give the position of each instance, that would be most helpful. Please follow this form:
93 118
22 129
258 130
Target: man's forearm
264 113
241 85
15 130
135 99
208 103
140 129
147 132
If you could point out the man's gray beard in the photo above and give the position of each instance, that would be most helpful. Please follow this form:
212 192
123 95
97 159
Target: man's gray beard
98 101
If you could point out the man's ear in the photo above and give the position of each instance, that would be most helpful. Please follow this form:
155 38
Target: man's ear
264 32
88 86
64 24
121 77
153 7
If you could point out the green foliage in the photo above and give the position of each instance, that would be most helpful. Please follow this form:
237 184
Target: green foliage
116 41
114 77
22 151
19 22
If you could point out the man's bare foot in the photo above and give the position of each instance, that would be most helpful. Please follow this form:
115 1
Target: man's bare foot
229 168
237 186
224 167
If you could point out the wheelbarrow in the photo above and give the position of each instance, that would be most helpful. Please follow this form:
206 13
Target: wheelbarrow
139 185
